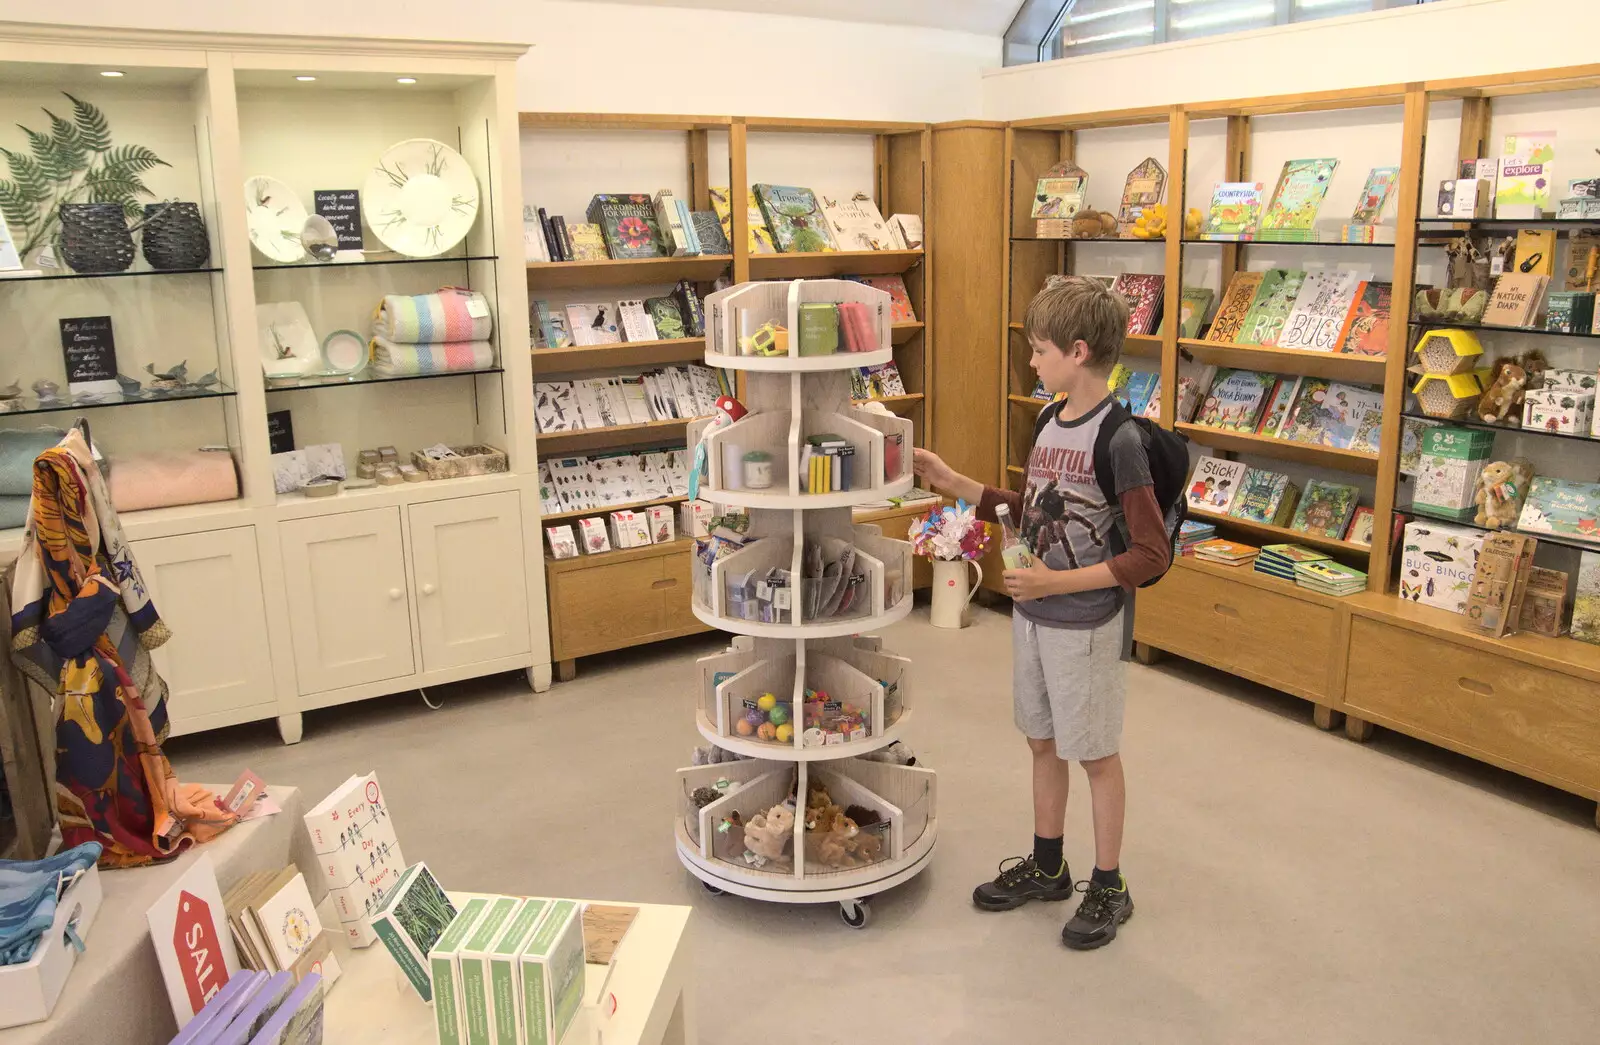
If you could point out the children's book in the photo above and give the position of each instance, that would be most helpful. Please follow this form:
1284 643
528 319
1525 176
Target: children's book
1152 402
1191 390
1360 531
1345 409
1366 327
1227 553
1270 309
1236 400
1235 307
1146 186
1214 484
667 317
1562 507
856 222
760 236
1144 292
795 218
1375 194
1325 509
1305 421
1235 211
1278 405
1527 172
1321 310
594 324
1293 553
1193 308
899 298
628 224
1291 216
1369 429
1265 497
1059 192
1140 384
708 230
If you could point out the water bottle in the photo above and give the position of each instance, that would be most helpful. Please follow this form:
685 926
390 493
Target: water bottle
1013 551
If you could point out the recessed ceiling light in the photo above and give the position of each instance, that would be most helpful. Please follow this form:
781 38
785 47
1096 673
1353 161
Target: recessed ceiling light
305 79
405 79
110 72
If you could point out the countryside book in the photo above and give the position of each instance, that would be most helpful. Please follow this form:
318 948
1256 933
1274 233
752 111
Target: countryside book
856 222
1366 328
1144 292
1265 497
1291 216
760 236
1321 309
1235 307
1270 309
628 222
1235 211
1325 509
795 218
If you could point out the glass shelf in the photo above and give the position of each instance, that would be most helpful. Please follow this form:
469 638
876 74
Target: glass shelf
1439 324
50 277
365 263
367 377
1509 224
1097 239
31 405
1488 427
1298 243
1542 538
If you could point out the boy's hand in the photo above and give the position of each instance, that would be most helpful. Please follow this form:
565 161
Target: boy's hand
931 468
1033 582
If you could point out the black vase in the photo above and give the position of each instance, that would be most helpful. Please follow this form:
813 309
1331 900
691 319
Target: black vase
95 237
174 236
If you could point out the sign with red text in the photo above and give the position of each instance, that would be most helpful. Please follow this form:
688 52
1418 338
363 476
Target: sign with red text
188 926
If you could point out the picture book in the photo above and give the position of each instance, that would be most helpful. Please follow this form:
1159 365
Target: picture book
628 223
1193 309
1215 484
1366 326
1562 507
1321 309
588 242
1526 174
1278 405
1330 578
1270 309
760 237
1145 187
1228 553
1152 402
667 317
1516 300
899 299
1235 307
1191 389
1294 553
1291 216
1345 409
359 853
1360 531
594 324
1059 192
1144 292
708 230
1586 599
1305 420
1325 509
1140 384
1235 211
1375 195
1265 497
795 218
856 222
1236 400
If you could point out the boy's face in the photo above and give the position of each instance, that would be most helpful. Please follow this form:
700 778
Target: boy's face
1056 367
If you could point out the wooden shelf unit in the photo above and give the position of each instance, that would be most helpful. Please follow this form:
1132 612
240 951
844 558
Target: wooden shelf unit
1283 449
1268 533
626 354
574 275
1335 366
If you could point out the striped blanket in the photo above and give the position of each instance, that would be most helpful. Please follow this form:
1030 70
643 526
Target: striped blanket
397 360
452 314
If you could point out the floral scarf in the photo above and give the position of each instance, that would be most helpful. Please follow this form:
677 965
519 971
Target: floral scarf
83 625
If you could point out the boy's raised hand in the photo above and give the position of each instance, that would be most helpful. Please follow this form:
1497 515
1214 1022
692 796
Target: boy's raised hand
931 468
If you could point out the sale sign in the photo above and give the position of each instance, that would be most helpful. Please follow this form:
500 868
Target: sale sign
193 945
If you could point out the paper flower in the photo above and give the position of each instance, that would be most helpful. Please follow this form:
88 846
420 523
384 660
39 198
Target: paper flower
950 533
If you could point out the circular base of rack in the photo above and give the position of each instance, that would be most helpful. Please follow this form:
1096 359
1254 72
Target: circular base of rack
841 887
801 364
807 501
790 753
830 630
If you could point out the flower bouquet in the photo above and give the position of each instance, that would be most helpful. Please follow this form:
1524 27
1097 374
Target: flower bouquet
950 533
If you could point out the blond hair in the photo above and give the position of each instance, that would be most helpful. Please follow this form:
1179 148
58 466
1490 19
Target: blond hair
1073 308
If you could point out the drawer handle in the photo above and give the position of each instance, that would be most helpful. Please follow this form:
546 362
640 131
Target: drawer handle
668 582
396 594
1482 689
428 589
1224 611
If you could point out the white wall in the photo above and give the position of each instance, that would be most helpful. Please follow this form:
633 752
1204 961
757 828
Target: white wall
1433 41
596 57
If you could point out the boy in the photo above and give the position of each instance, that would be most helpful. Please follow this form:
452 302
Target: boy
1067 620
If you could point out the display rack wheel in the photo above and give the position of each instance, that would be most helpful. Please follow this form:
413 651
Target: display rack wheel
713 890
855 913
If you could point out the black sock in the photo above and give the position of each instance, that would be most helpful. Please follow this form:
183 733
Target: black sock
1111 879
1047 854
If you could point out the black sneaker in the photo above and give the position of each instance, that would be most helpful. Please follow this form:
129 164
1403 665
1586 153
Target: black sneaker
1102 910
1019 881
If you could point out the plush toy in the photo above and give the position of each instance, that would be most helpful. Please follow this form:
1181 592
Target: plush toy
1502 487
1504 397
728 410
767 834
1151 222
1092 224
1191 223
729 843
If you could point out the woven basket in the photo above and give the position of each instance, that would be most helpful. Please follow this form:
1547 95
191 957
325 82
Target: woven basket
175 236
95 237
469 460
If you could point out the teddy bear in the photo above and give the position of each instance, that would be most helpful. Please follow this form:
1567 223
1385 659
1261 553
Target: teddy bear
767 834
1501 489
1092 224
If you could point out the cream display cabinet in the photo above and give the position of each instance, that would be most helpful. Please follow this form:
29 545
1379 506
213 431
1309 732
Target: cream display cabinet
280 602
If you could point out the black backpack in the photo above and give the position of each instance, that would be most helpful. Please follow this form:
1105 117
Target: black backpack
1169 468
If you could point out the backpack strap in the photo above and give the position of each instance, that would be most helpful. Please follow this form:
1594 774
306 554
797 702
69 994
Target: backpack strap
1117 415
1048 414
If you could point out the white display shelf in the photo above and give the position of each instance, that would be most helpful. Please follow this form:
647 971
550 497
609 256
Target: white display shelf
809 501
793 753
848 887
831 629
299 506
801 364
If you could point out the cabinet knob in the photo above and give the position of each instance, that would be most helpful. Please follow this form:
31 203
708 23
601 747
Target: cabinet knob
396 594
428 589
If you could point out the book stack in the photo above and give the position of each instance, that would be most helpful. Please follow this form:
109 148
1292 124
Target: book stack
1226 553
825 461
1279 560
275 926
258 1007
1191 533
1330 578
356 846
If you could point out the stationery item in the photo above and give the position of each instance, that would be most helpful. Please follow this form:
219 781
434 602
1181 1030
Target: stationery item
1526 174
406 360
244 793
1516 299
819 328
450 314
857 327
551 968
563 542
1235 211
472 959
288 922
594 324
595 537
662 528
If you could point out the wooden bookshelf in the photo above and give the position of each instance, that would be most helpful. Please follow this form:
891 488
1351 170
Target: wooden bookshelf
1335 366
613 437
900 333
575 275
899 403
1271 534
1139 346
833 264
556 517
618 356
1283 449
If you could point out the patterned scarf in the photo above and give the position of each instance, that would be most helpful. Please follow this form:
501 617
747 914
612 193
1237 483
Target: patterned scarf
83 625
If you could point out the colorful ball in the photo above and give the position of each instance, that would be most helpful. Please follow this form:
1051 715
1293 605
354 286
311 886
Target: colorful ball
766 702
743 727
784 733
778 715
754 717
767 731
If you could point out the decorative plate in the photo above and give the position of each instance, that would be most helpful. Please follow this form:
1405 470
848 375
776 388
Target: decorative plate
421 199
276 217
344 352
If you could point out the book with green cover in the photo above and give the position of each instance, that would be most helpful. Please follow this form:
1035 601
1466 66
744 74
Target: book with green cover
795 218
1294 553
1269 311
628 223
505 978
409 922
1235 211
477 1004
552 974
1306 422
1325 509
1375 195
445 971
1193 308
1527 174
1291 216
1265 497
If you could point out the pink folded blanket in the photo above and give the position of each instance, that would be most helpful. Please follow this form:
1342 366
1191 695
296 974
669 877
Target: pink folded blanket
163 480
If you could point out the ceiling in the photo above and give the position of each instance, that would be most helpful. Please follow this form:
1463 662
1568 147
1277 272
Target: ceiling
987 17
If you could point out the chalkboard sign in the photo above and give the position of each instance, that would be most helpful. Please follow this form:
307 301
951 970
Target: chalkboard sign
90 353
280 432
342 208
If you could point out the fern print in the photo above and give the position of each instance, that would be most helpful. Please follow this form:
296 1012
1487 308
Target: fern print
74 163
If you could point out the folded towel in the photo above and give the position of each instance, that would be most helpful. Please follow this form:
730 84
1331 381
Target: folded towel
452 314
162 480
18 448
13 510
396 360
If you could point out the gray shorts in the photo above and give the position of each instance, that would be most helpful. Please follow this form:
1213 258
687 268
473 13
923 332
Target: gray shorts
1070 684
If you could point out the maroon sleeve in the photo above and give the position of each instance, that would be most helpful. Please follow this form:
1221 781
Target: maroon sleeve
1149 551
993 495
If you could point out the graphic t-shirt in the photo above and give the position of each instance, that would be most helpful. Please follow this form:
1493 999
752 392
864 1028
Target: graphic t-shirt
1065 518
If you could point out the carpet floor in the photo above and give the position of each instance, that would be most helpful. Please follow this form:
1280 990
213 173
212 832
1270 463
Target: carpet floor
1290 885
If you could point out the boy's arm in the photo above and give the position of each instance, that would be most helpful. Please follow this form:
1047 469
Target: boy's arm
990 496
930 467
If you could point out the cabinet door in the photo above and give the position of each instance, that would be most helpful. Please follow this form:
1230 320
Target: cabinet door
207 587
348 611
469 579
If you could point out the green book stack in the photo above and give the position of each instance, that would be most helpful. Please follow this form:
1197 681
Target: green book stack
819 329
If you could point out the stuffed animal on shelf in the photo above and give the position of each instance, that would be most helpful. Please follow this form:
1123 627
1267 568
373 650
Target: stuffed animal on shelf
1151 223
728 410
1093 224
1502 487
1504 397
767 834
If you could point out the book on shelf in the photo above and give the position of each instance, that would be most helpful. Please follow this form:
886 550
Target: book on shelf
1563 508
594 323
1146 186
1279 560
1325 509
907 230
1191 533
1136 395
1225 552
1305 421
759 235
667 317
1235 211
588 242
686 220
795 218
1278 404
1369 430
358 852
533 241
1526 174
856 222
1152 402
539 321
899 297
636 322
1270 309
880 382
708 229
1366 327
674 236
1214 484
1321 309
1234 308
1376 193
1144 293
547 227
1360 531
1236 400
628 222
1059 191
1348 412
1265 497
1516 300
558 225
549 501
1191 391
691 308
1193 307
1329 577
1291 215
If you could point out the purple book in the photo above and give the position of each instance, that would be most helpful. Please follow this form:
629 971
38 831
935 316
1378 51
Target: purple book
221 1008
298 1020
255 1015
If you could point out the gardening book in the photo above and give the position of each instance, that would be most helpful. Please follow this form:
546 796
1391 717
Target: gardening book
1059 192
1366 328
760 236
1144 293
628 222
1306 422
1291 216
1527 171
1278 404
1321 309
1235 307
1563 508
1375 194
1236 400
1215 484
1270 309
412 918
709 231
1235 211
1325 509
356 846
856 223
795 218
1265 497
1516 300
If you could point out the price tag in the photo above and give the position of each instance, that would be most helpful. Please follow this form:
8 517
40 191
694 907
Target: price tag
1497 265
477 307
342 208
90 353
